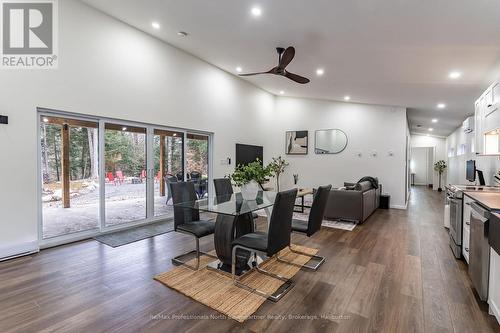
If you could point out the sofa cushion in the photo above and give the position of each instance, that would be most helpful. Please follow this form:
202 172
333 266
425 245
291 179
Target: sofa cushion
364 186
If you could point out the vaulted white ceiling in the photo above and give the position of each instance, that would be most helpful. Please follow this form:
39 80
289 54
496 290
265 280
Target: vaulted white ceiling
391 52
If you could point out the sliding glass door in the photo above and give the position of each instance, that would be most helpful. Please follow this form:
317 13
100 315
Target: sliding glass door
168 149
197 162
69 175
99 175
125 173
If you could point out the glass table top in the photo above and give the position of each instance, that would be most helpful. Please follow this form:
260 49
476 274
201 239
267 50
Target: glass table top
234 204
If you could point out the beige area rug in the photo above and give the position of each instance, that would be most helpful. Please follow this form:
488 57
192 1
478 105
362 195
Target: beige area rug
217 291
342 225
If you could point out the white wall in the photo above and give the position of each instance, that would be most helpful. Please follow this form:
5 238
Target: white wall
439 145
456 173
369 129
110 69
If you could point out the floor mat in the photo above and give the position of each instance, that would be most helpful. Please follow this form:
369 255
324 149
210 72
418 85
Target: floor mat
128 236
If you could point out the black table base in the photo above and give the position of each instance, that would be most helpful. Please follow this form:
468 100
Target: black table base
227 228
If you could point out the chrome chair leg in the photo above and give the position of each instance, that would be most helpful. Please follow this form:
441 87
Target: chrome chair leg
177 260
273 297
320 260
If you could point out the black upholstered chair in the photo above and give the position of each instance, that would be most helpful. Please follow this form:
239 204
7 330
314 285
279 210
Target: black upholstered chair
313 224
169 180
187 220
269 244
223 186
194 175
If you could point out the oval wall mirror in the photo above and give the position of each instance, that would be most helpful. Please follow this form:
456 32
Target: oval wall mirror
330 141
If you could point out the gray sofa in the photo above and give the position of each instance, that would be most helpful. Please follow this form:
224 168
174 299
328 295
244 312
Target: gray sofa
355 203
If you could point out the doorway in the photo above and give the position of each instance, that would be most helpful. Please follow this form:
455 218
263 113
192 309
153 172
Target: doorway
422 166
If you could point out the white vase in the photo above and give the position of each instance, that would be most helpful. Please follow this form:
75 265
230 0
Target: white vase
249 191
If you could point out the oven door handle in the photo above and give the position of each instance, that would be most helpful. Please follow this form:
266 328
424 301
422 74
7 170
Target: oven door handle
478 216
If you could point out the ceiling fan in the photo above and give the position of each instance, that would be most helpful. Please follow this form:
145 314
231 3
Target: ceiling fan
284 58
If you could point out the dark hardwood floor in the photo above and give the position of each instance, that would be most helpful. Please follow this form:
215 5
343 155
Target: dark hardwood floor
394 273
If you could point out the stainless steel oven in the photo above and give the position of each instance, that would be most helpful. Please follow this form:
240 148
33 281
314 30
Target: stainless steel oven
455 200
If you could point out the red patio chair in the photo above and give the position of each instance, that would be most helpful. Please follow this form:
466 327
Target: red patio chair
120 177
158 177
144 175
110 178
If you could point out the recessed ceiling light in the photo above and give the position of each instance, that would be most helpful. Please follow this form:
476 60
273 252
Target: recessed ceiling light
347 98
320 71
45 120
155 25
239 69
454 75
182 33
282 92
441 106
175 134
431 129
434 120
428 134
256 11
124 128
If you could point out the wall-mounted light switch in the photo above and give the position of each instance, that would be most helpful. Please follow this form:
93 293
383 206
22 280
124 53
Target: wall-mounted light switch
226 161
4 120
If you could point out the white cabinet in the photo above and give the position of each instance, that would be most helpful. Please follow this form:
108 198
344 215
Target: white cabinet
494 284
478 121
495 93
487 121
466 228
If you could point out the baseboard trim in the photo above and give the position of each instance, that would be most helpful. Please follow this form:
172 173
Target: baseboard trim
494 310
399 206
18 250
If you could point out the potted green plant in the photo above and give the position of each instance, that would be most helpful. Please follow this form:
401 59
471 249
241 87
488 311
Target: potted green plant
250 177
440 166
277 167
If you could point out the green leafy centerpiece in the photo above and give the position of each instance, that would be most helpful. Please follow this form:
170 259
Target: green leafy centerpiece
251 177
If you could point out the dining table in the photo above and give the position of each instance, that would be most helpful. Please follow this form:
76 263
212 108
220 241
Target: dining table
234 219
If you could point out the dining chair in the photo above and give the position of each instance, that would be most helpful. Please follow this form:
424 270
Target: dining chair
187 221
312 225
224 187
269 244
169 179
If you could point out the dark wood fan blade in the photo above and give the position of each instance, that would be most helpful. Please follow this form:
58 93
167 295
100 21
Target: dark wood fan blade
271 71
251 74
297 78
287 57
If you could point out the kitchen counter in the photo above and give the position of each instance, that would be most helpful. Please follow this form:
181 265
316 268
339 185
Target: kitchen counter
490 200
